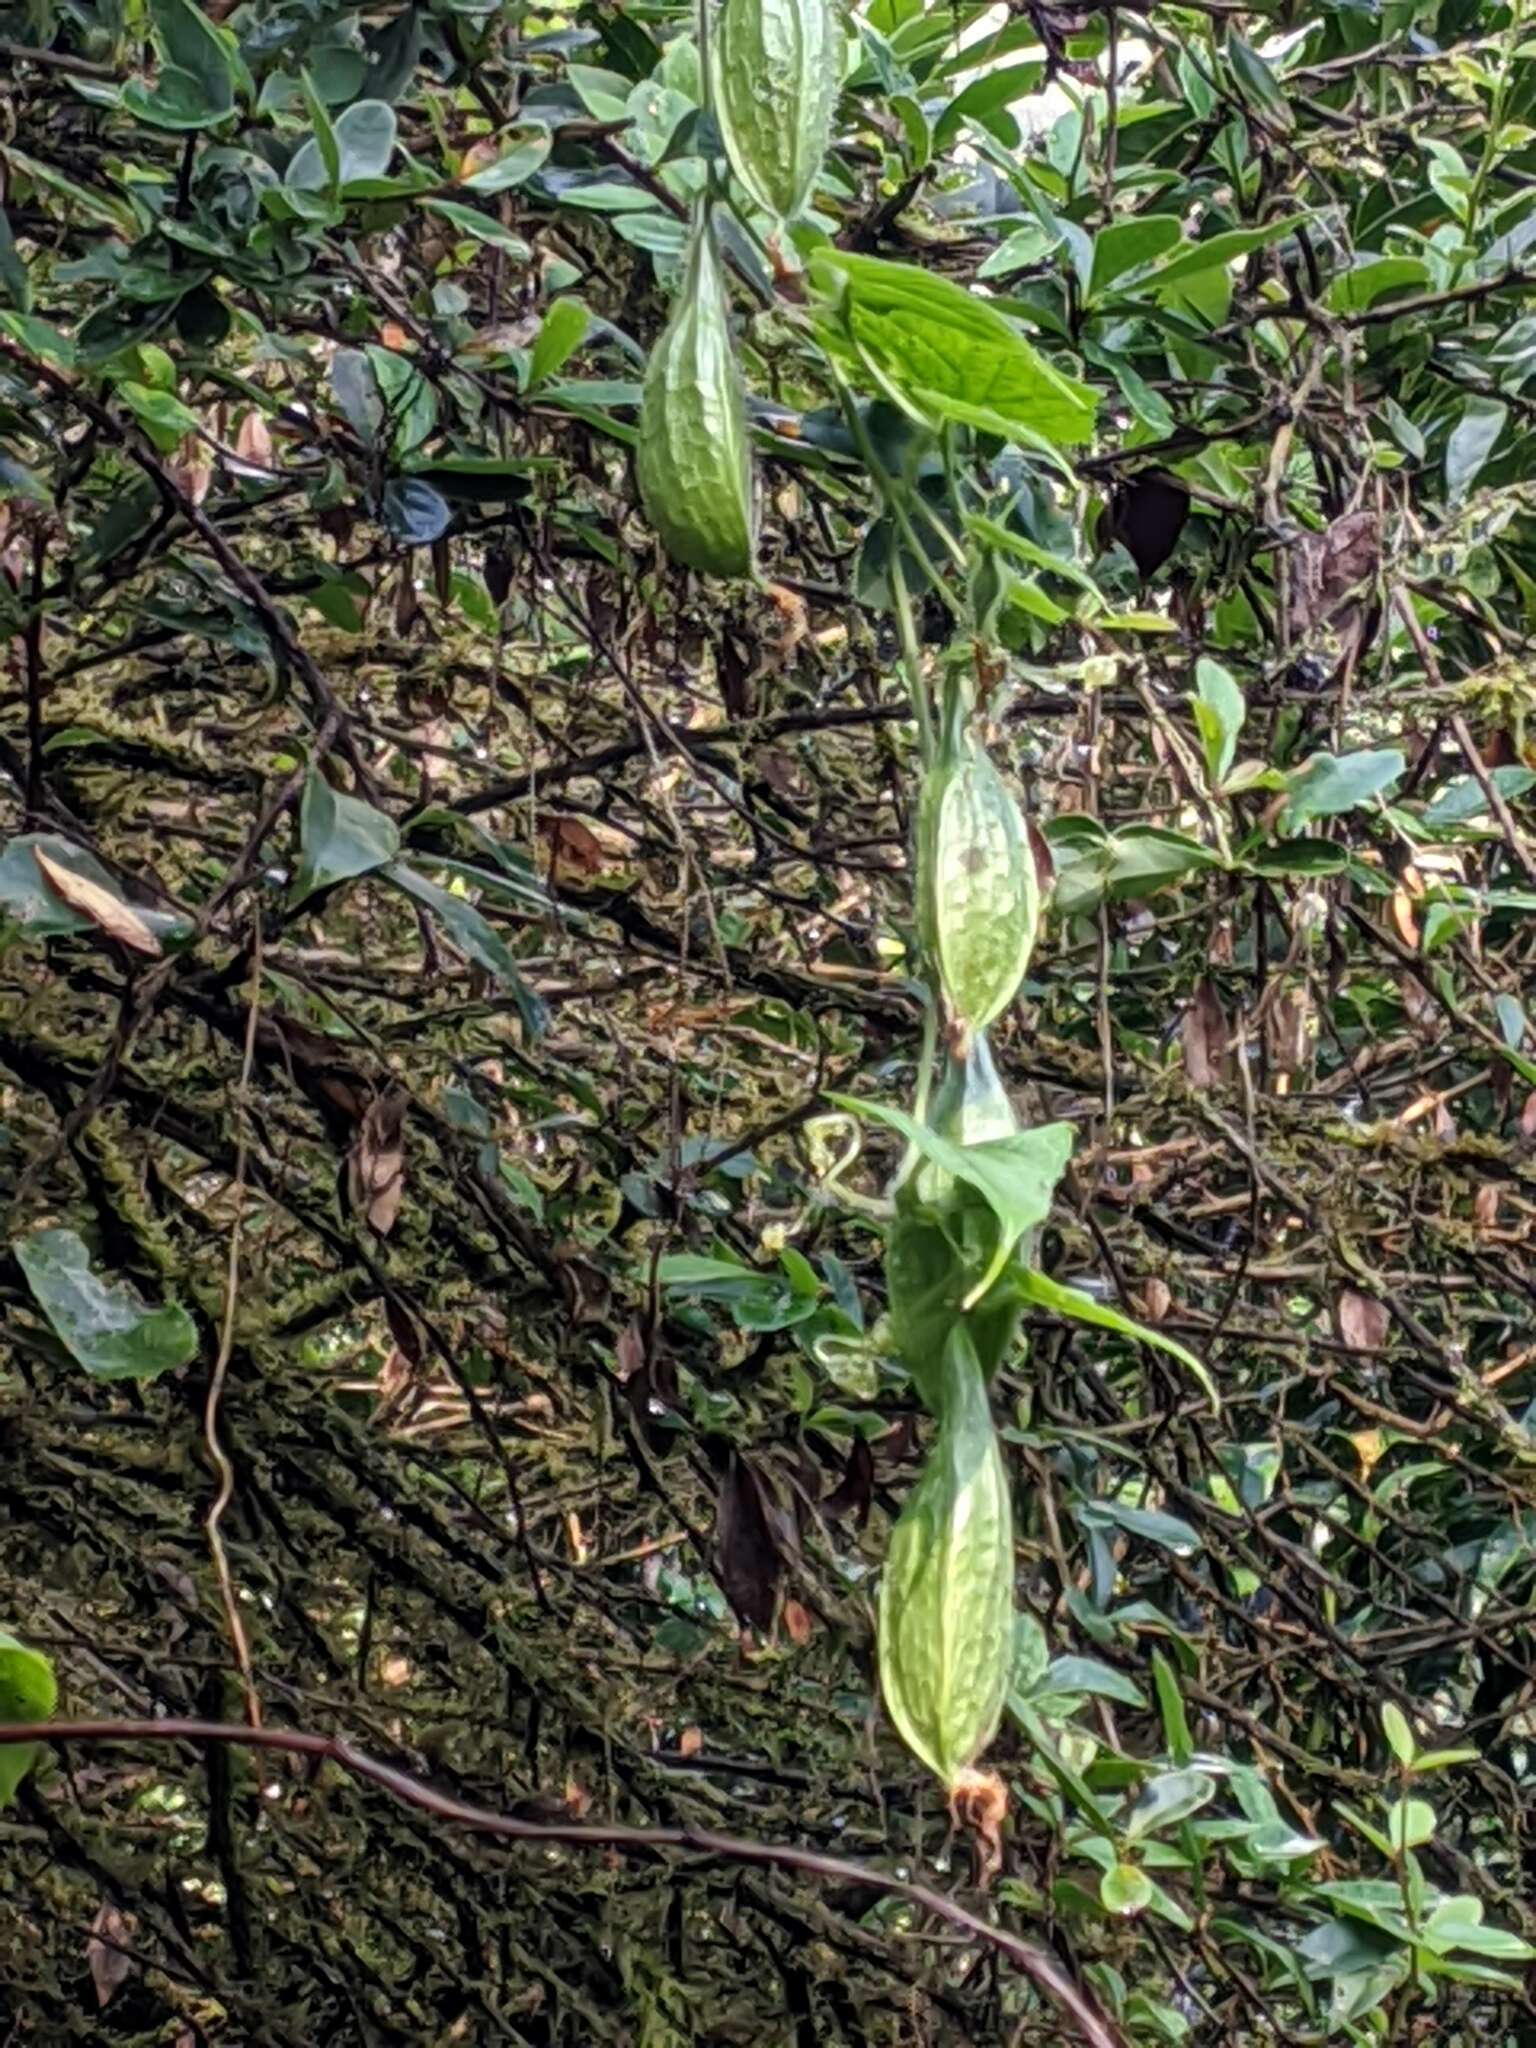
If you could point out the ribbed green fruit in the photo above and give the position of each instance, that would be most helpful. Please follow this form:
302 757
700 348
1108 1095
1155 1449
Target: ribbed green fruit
693 461
776 66
977 890
946 1594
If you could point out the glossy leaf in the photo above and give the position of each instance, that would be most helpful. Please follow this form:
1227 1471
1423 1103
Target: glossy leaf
104 1323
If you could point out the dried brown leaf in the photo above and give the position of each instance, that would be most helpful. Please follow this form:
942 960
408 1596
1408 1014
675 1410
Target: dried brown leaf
107 911
747 1551
253 443
1204 1034
376 1163
111 1932
1156 1299
1325 567
1485 1205
798 1625
1362 1320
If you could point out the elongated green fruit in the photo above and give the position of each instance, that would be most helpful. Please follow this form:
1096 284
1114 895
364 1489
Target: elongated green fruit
693 461
977 889
776 66
946 1595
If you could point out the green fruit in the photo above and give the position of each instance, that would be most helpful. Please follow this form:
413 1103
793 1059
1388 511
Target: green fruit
946 1595
978 892
776 66
693 461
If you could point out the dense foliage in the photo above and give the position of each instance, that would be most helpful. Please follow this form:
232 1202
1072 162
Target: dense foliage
465 988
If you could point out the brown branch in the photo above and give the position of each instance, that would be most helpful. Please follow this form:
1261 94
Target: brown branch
1041 1968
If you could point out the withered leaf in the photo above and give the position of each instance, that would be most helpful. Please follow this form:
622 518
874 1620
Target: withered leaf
108 912
855 1490
1326 567
1363 1321
747 1553
1203 1036
111 1932
1146 514
376 1163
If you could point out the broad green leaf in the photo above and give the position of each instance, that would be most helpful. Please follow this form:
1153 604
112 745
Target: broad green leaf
1128 244
564 330
470 934
339 837
1167 1799
1220 710
28 1692
471 221
1327 785
695 1274
1472 442
103 1323
1220 250
1089 1675
917 333
1082 1308
1169 1532
1410 1822
1016 1176
357 393
41 913
1170 1706
1352 291
364 140
1394 1725
514 167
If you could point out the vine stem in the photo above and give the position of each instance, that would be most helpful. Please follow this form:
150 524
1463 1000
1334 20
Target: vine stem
1042 1969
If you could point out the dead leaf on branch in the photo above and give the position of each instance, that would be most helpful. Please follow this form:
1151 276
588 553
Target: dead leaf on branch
376 1163
1363 1321
111 1932
1327 566
1204 1035
747 1553
107 911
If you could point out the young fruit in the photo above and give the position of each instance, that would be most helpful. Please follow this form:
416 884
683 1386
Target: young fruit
775 68
946 1595
978 892
969 1106
693 461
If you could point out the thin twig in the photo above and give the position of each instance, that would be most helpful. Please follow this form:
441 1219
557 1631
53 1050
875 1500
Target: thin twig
216 1451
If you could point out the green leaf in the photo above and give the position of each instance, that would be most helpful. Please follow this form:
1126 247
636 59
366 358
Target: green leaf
471 221
515 167
414 511
363 138
1327 785
1169 1532
712 1278
918 334
1472 442
1220 250
1352 291
196 83
339 837
39 913
1220 710
1394 1725
1016 1176
564 330
357 393
1128 244
1125 1890
1165 1800
1082 1308
1170 1707
102 1323
472 936
1410 1823
1068 1675
28 1692
13 272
